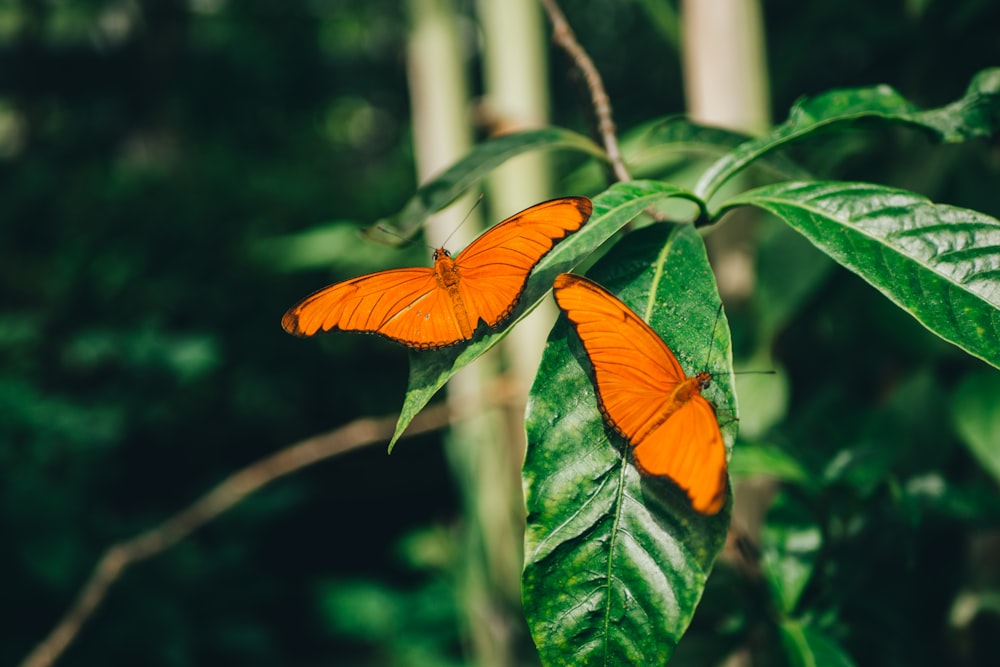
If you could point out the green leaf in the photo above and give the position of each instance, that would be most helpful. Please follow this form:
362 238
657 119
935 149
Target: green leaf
939 263
678 136
444 189
975 411
332 244
613 209
977 114
790 545
615 563
809 647
757 459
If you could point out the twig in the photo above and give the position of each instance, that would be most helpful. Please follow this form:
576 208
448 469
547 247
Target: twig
563 35
230 492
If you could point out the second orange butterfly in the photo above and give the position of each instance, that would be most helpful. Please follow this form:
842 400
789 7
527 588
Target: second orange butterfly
645 395
430 308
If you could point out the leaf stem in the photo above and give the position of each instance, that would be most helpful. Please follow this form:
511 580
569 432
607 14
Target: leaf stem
563 35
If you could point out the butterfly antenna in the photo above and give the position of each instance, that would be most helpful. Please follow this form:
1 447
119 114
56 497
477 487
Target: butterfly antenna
711 346
468 214
715 326
406 240
378 232
388 231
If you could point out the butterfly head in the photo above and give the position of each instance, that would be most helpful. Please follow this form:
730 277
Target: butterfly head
441 252
704 380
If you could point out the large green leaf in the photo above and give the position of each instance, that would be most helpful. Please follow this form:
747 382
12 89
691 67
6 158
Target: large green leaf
445 188
615 563
976 114
939 263
613 209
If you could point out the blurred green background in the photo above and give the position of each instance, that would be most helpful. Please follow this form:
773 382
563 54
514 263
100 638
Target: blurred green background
156 158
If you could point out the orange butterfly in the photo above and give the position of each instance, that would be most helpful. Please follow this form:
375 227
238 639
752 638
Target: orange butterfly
426 308
645 395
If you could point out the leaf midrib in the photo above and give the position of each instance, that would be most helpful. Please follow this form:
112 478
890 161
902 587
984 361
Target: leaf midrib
609 577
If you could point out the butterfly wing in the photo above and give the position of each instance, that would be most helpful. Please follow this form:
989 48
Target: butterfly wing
404 305
421 307
635 374
688 448
494 268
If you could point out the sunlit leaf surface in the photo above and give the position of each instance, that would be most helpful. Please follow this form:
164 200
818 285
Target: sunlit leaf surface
939 263
615 563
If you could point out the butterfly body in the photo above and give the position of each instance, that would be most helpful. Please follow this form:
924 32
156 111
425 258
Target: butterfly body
430 308
645 395
688 389
677 397
446 274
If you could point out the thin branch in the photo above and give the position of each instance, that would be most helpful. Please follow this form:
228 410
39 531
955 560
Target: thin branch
228 493
563 35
